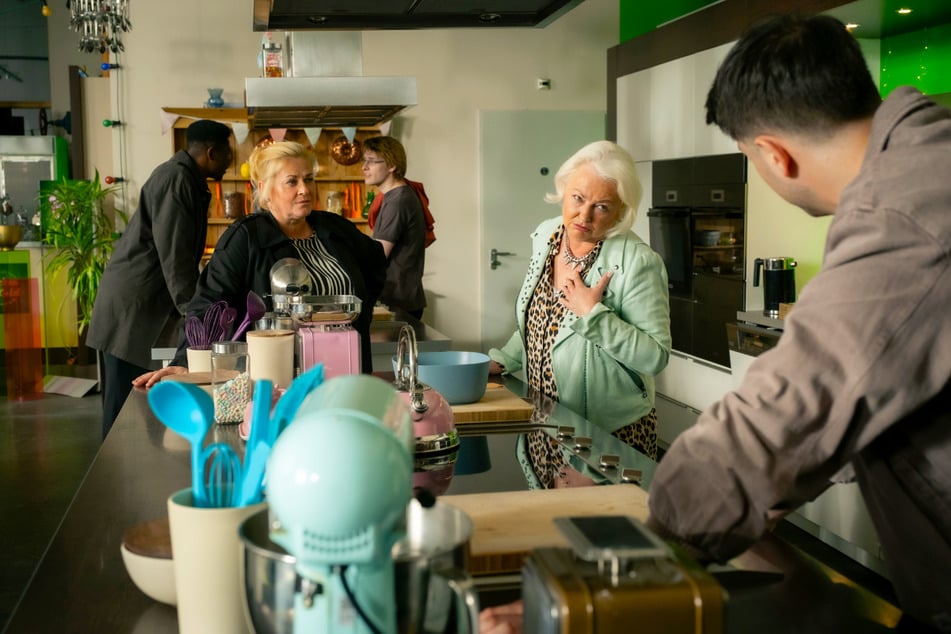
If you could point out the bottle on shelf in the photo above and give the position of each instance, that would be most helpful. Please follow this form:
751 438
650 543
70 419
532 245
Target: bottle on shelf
273 57
368 204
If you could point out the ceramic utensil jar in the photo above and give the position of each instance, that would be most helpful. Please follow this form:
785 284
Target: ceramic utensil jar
230 380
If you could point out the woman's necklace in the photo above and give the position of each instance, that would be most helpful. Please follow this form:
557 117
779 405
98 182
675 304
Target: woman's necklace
572 260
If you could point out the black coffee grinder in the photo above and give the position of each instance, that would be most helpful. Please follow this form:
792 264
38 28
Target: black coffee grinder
779 282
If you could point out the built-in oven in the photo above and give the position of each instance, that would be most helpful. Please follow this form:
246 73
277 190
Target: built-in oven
697 225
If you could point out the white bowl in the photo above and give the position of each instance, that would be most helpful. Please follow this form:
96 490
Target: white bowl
149 562
154 576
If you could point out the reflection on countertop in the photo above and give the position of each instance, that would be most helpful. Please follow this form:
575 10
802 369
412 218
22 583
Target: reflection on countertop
385 333
137 468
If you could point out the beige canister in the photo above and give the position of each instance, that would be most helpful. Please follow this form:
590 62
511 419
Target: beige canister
271 355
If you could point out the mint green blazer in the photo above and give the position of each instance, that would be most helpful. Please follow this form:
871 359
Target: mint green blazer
604 363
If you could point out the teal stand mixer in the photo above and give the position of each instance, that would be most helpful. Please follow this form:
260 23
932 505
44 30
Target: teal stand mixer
339 480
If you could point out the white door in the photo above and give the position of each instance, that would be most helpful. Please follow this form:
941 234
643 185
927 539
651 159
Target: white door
520 153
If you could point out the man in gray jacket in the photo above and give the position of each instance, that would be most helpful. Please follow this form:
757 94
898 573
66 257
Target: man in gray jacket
153 271
861 374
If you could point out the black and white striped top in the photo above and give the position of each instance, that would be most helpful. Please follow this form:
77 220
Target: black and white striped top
325 271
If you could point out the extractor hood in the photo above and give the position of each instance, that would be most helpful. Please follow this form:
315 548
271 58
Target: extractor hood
326 87
307 102
330 15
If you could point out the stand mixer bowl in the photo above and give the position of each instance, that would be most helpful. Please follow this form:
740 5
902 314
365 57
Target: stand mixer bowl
429 583
338 482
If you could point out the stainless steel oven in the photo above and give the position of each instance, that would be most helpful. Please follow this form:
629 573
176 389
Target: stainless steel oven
697 224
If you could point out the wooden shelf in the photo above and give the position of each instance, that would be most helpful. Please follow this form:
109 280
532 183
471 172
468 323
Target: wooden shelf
239 115
218 114
330 177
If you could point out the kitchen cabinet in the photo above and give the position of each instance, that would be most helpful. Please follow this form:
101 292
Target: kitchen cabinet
661 110
333 179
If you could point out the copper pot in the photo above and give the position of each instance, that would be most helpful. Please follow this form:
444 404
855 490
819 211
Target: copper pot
345 152
234 205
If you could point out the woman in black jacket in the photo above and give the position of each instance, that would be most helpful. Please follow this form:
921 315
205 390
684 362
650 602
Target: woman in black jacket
339 257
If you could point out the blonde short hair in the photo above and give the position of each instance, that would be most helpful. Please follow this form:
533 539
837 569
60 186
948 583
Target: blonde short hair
613 163
266 161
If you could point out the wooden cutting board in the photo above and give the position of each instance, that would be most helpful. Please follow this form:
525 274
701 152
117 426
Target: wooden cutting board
195 378
508 525
498 405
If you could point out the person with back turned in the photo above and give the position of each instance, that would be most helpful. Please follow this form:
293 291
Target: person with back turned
860 378
152 274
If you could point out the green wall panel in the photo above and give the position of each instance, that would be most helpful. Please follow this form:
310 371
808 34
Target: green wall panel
921 59
638 17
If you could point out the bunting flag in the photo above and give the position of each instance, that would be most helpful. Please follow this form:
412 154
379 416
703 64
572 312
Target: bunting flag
385 128
168 120
312 135
349 133
277 134
240 131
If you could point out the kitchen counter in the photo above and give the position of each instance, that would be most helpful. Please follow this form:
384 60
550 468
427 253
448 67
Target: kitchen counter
757 317
81 584
384 334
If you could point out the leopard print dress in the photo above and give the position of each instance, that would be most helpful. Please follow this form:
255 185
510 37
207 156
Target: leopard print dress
542 322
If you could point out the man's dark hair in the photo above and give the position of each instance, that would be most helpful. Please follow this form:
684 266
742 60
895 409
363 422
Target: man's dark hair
206 133
795 74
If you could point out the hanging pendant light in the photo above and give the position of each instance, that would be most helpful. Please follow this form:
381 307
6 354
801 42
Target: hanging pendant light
99 23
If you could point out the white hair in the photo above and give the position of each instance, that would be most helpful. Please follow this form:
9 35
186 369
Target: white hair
613 163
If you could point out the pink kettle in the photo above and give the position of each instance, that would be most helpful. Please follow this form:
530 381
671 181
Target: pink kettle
431 414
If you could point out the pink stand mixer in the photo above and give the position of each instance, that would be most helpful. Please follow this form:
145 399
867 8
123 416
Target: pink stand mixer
324 323
325 332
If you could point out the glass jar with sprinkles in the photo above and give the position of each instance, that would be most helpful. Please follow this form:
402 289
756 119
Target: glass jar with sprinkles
230 380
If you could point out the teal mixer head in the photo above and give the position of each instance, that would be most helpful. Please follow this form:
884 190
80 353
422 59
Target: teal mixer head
340 476
339 480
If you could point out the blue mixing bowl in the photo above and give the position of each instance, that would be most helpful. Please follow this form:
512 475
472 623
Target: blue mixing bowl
460 377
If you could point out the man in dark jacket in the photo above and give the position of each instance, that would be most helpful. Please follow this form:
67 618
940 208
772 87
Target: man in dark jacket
153 271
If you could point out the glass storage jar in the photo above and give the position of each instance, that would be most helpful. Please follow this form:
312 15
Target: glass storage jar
230 380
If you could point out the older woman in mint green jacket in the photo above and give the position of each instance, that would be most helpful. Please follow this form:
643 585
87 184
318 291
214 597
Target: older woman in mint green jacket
593 312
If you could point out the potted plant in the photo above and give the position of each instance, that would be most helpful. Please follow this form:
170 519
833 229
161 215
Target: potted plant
81 229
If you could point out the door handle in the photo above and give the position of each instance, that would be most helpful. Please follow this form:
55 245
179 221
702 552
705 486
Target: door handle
494 255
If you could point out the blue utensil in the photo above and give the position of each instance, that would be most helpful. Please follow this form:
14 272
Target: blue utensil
189 411
252 480
257 450
287 405
222 475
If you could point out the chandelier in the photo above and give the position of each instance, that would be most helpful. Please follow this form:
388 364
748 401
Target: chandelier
99 23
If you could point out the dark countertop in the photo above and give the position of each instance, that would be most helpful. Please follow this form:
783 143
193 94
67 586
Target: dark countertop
81 584
757 317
